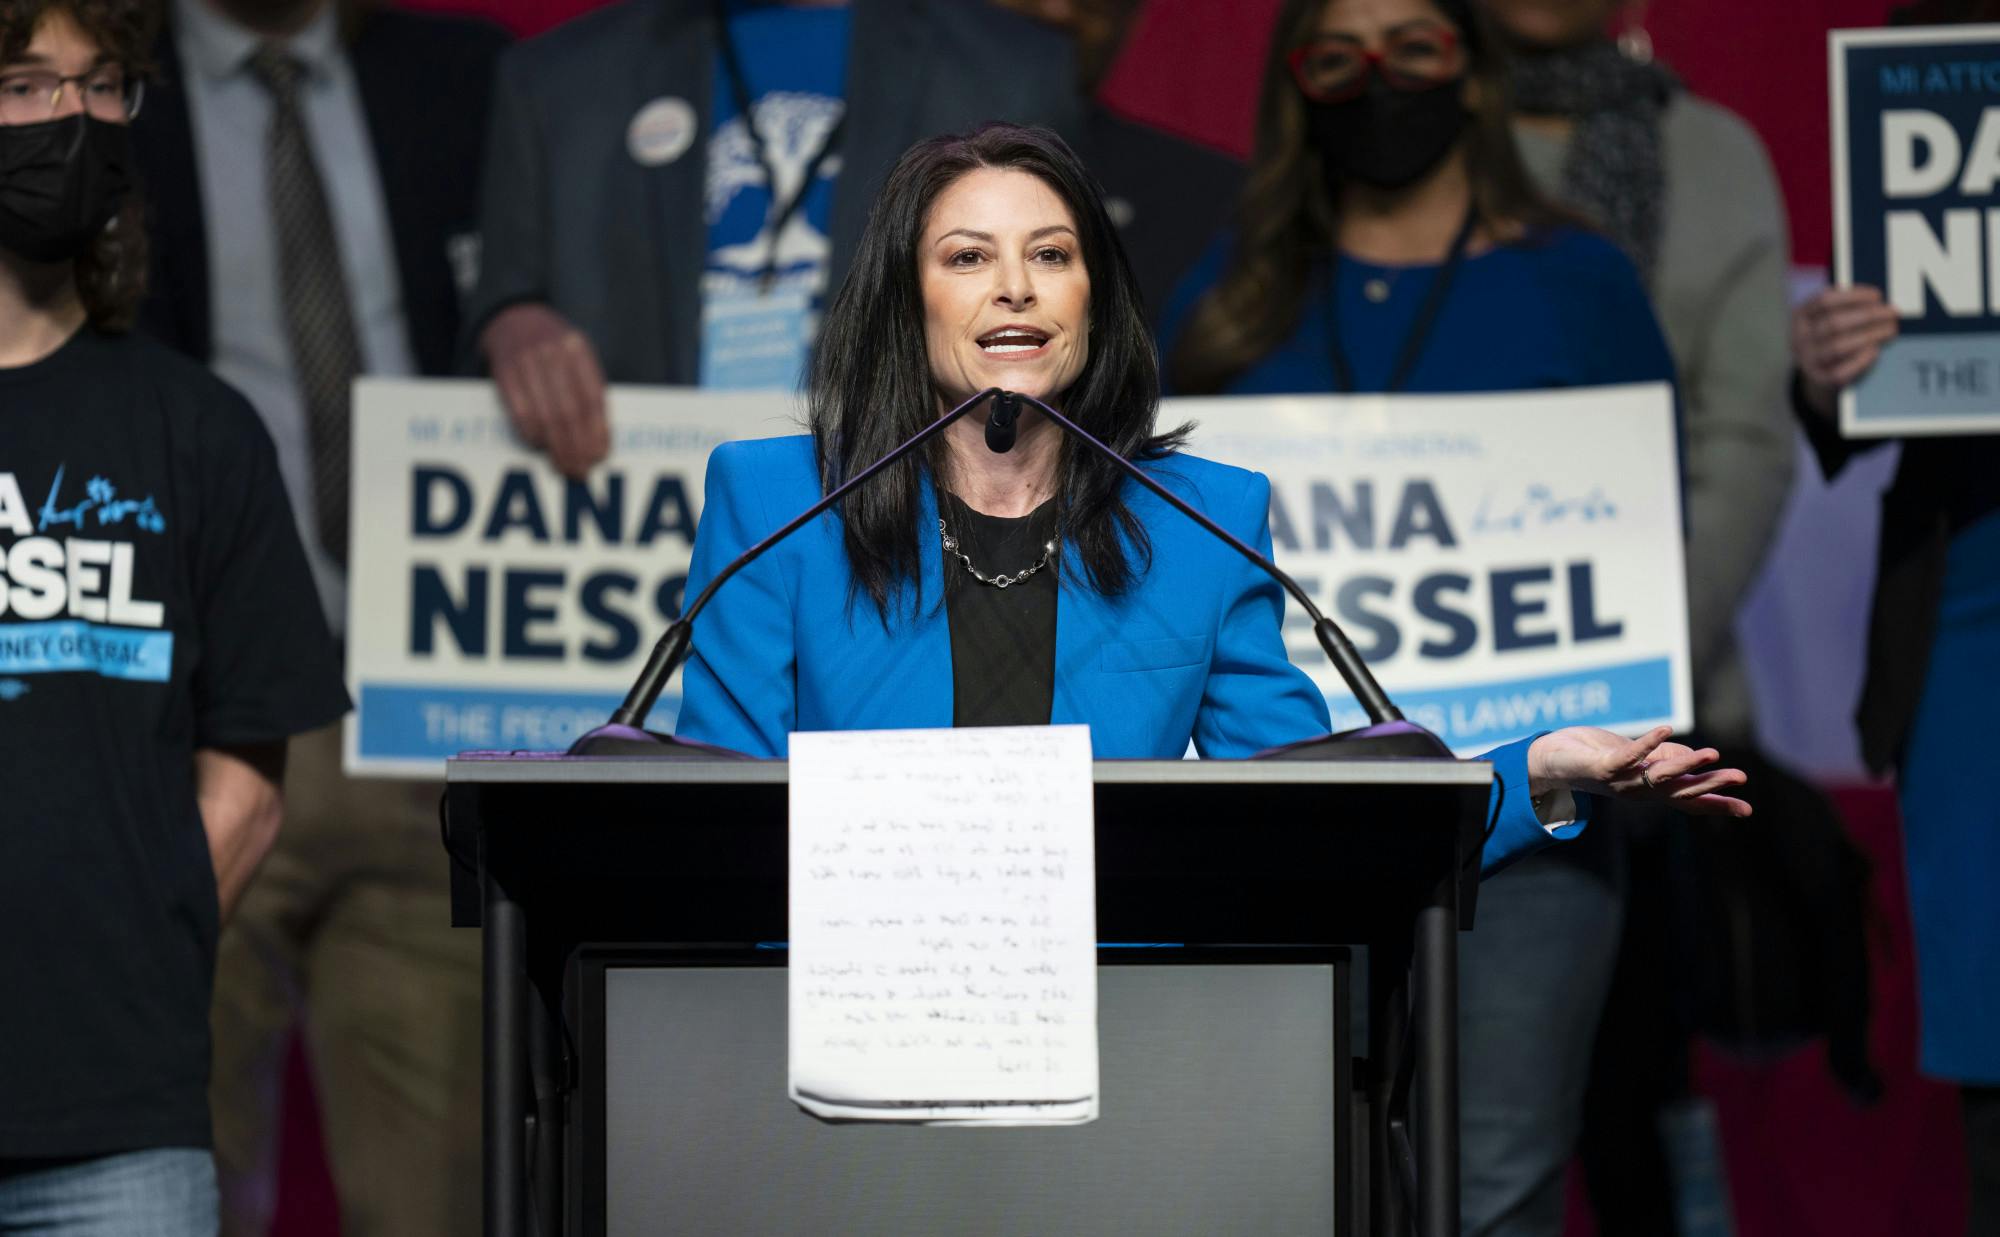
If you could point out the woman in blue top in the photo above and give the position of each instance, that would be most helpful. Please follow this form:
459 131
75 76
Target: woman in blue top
965 587
1389 240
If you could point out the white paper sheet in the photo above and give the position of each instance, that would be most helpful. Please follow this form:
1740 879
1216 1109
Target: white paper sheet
943 926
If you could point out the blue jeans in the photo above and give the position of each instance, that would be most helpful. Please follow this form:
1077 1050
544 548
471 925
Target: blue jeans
1532 977
167 1192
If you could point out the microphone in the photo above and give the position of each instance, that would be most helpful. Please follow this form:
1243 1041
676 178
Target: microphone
1388 733
625 733
1000 422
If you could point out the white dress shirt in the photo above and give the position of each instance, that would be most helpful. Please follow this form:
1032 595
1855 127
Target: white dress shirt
230 113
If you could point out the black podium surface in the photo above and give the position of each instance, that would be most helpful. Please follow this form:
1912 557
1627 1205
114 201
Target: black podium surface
555 853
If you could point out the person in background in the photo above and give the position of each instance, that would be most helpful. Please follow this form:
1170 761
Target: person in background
1389 240
1933 657
158 646
1166 195
673 186
1685 189
311 170
1097 26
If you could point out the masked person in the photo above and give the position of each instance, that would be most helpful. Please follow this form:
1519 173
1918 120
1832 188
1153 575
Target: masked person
158 646
1388 239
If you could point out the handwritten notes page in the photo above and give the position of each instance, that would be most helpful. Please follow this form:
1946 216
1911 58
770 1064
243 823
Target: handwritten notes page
943 961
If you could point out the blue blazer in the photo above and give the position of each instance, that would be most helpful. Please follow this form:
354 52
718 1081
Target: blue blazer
1192 651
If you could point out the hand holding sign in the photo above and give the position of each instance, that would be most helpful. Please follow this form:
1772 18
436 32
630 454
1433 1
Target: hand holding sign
1916 156
1588 760
553 387
1837 335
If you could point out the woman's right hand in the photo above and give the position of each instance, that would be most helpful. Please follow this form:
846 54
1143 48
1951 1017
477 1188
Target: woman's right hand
1836 335
551 384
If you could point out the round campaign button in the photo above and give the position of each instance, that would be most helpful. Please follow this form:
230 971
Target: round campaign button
661 131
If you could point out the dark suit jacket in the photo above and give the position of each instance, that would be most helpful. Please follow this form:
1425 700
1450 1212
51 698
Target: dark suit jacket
1168 197
425 83
570 219
1941 486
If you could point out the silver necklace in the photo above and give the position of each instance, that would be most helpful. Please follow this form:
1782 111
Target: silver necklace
999 581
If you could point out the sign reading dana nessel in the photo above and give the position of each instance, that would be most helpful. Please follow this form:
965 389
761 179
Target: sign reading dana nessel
1505 563
493 603
1916 156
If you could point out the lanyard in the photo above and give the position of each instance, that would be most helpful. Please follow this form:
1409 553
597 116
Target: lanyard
779 214
1420 328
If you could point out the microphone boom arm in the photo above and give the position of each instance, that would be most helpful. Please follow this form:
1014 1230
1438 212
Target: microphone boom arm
673 645
1339 649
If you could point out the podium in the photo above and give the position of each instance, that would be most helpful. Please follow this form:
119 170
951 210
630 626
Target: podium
554 854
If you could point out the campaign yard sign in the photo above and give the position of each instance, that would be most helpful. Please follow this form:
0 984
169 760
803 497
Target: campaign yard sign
1916 156
493 604
1507 563
1504 563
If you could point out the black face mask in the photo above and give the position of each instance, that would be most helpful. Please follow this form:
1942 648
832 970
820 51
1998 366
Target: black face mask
61 181
1385 137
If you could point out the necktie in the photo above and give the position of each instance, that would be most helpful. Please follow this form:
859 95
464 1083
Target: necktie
319 318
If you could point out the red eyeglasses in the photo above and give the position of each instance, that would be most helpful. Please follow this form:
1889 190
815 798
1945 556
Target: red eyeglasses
1336 68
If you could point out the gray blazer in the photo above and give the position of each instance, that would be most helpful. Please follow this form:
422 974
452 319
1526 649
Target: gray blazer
1720 292
569 218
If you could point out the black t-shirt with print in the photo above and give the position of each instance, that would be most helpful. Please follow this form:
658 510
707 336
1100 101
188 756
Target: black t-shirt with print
153 600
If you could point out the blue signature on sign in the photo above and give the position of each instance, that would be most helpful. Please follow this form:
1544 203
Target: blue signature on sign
1541 507
102 497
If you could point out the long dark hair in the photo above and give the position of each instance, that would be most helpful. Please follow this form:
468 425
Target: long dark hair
111 273
870 384
1287 221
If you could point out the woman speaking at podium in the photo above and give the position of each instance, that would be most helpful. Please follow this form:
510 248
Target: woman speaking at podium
967 587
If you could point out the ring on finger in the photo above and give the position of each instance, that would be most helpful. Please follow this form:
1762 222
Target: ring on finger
1646 776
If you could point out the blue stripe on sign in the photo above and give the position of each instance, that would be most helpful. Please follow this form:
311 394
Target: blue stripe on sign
1494 713
1908 382
71 644
404 721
